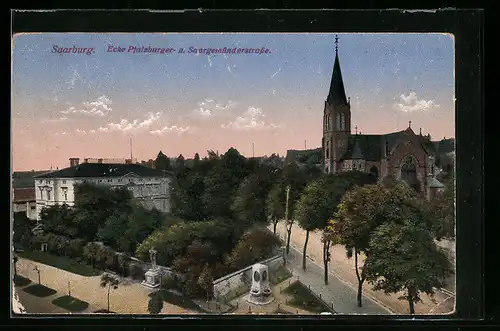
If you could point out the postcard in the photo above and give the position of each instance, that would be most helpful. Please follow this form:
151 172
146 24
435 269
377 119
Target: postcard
233 173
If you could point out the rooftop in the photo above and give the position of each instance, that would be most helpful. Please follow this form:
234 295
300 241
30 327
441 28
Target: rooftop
26 179
104 170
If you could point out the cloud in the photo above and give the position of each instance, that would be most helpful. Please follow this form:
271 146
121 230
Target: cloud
252 119
55 120
169 129
100 107
81 131
63 133
209 107
74 77
128 126
411 103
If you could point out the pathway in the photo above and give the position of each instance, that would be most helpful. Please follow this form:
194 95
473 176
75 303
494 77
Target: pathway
129 298
343 269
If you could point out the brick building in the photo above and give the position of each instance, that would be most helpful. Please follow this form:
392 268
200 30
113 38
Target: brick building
404 155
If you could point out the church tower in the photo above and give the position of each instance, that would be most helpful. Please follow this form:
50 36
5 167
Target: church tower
336 120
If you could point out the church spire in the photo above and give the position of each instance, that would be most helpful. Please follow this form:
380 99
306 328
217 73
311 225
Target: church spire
336 95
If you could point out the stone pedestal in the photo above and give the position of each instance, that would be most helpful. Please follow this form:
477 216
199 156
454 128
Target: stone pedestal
260 292
152 278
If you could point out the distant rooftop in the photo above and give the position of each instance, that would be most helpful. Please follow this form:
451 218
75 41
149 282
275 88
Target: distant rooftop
89 170
25 179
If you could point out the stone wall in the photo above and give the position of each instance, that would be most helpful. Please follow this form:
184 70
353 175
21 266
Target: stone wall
238 282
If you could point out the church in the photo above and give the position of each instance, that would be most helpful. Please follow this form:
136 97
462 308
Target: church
404 155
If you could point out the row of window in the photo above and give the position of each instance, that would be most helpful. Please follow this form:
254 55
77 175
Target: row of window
110 180
48 194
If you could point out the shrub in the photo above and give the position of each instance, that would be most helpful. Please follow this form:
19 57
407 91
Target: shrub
74 248
136 272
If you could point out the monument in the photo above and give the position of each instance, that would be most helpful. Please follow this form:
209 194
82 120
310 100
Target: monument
153 275
260 292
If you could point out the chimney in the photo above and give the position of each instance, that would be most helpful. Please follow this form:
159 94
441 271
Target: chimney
74 161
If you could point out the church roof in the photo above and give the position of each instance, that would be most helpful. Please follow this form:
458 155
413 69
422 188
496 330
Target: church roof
336 94
434 183
103 170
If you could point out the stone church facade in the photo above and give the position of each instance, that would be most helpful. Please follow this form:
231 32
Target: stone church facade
403 155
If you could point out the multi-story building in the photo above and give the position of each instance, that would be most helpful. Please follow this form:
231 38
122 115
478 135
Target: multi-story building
23 192
150 187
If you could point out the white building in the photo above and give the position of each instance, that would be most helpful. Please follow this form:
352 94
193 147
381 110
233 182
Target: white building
150 187
23 192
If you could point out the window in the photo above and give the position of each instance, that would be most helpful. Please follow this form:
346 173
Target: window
110 180
130 180
65 195
338 121
33 207
100 180
64 182
48 195
342 121
119 180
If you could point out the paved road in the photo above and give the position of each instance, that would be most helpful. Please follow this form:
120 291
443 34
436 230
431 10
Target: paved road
337 292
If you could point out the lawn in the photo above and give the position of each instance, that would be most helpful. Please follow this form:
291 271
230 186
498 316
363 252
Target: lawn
21 281
60 262
281 274
39 290
69 303
280 311
302 298
180 301
104 311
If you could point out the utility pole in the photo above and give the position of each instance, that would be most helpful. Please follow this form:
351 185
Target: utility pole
253 149
288 227
38 271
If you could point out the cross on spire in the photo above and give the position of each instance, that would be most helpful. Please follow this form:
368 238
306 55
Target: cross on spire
336 43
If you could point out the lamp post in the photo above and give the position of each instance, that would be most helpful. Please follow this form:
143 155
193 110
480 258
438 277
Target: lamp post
38 271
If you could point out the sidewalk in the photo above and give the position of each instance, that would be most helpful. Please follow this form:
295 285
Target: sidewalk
343 269
129 298
336 292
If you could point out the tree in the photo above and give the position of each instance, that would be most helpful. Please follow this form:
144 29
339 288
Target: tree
21 226
442 210
404 257
58 219
109 281
329 238
249 204
357 216
155 304
205 280
316 205
275 205
162 162
196 161
252 247
186 196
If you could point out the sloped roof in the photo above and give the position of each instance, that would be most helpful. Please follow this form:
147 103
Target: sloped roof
24 194
336 94
26 179
434 183
104 170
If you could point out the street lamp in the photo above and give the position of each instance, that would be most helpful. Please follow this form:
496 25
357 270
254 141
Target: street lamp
38 271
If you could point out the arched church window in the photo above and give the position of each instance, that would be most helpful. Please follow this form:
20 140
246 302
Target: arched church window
409 172
342 121
338 121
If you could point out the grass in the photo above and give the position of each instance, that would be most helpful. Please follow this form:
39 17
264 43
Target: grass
302 298
60 262
104 311
180 301
281 274
21 281
40 291
69 303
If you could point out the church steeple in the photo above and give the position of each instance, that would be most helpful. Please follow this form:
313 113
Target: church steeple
336 95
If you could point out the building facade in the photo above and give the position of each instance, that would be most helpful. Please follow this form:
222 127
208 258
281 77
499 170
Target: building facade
404 155
150 187
23 192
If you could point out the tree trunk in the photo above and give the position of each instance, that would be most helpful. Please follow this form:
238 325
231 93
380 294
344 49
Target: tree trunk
412 306
275 223
289 232
304 255
361 279
109 288
326 249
